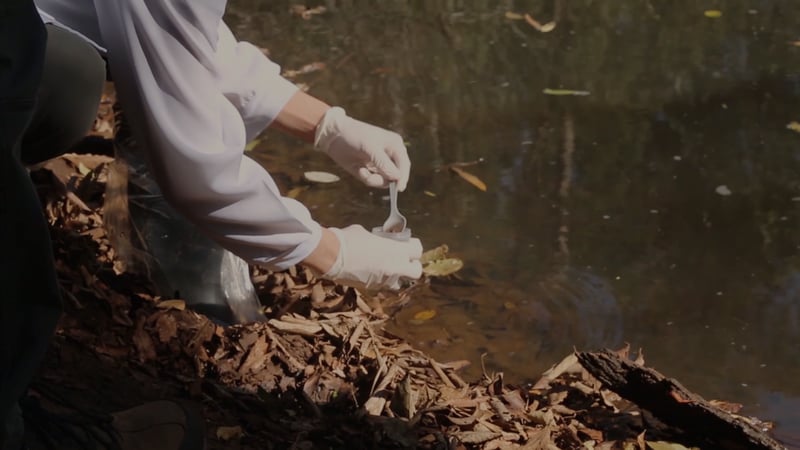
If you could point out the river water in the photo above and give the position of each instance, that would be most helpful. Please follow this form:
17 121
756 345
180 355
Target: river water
662 209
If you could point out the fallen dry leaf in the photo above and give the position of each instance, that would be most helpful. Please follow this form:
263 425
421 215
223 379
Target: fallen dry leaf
316 176
470 178
178 304
229 433
546 28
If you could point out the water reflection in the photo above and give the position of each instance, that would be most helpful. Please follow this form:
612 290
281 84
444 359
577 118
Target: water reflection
603 221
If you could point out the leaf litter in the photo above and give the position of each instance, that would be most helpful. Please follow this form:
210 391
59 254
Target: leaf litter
319 372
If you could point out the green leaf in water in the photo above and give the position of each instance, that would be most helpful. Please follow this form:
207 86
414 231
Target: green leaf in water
435 254
443 267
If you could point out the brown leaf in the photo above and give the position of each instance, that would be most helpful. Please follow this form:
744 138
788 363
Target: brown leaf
306 329
515 402
317 293
469 178
374 406
546 28
540 439
595 435
143 343
556 398
566 365
177 304
728 407
640 440
167 328
229 433
256 356
477 437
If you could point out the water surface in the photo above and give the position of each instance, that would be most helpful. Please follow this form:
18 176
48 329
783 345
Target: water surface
660 210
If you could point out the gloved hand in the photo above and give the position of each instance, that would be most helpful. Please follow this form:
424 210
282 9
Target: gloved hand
372 154
373 262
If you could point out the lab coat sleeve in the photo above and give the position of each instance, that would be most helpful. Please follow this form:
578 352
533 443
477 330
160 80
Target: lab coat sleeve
250 81
192 96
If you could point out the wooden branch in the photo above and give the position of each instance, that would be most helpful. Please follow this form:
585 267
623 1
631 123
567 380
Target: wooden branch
674 405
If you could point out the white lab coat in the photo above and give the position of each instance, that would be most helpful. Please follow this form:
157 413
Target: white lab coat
194 96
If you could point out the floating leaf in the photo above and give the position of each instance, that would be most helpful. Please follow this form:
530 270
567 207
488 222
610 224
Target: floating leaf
435 254
427 314
443 267
251 145
178 304
549 91
308 68
794 126
795 43
470 178
546 28
321 177
723 190
229 433
510 15
713 13
430 194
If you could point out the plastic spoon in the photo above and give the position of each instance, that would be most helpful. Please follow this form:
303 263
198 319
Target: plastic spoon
396 222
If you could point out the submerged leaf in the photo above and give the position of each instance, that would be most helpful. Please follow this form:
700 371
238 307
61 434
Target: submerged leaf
296 191
443 267
470 178
427 314
713 13
252 145
430 194
794 126
320 177
723 190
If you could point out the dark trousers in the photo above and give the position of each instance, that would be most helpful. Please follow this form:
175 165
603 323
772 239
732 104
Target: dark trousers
50 86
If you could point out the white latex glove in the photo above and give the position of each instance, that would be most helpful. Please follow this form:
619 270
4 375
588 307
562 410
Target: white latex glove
372 154
373 262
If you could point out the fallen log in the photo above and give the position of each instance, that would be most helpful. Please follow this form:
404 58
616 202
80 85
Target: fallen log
704 424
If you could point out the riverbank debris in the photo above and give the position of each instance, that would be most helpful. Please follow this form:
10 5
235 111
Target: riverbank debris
321 371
